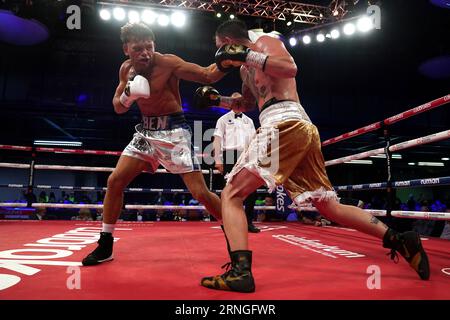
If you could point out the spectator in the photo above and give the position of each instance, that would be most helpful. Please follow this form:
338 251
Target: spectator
446 231
424 227
43 197
52 197
29 196
83 215
267 215
411 203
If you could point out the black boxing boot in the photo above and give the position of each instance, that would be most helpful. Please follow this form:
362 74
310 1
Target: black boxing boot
103 252
408 244
238 278
253 229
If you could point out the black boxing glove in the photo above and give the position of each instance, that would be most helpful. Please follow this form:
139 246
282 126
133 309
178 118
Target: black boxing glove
205 97
231 56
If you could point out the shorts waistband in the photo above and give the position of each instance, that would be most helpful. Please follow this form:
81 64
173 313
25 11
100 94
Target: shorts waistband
270 102
282 111
166 122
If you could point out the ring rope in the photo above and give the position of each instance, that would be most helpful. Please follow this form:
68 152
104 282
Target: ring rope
401 116
396 147
67 150
379 213
397 184
73 188
100 206
394 213
440 181
76 168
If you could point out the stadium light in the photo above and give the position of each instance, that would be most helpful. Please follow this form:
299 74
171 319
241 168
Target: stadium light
178 19
163 20
119 14
349 29
105 14
293 41
306 39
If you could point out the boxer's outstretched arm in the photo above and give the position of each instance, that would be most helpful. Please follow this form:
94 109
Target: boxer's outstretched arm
239 103
193 72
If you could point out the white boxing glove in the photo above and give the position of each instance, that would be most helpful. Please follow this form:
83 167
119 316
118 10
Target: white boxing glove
135 89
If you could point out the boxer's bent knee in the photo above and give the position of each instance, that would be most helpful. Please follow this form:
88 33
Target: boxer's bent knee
116 183
231 193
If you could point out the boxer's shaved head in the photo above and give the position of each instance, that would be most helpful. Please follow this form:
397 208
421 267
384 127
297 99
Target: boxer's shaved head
233 29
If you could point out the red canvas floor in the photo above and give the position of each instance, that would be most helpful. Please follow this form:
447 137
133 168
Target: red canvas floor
166 260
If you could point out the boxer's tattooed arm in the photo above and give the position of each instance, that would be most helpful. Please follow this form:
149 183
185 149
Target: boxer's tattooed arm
245 102
248 101
232 103
263 92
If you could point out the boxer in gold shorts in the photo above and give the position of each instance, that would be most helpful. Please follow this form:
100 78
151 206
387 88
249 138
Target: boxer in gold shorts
285 150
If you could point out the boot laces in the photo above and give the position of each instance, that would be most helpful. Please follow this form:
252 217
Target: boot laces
393 255
226 266
228 270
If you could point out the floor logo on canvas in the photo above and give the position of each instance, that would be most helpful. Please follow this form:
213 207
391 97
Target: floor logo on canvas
318 247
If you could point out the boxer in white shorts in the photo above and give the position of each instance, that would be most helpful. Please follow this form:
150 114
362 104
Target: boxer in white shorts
151 79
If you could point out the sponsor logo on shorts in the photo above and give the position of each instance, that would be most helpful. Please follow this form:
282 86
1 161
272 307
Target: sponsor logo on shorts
156 123
318 247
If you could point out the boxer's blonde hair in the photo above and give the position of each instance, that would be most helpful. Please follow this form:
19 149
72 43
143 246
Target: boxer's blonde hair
136 31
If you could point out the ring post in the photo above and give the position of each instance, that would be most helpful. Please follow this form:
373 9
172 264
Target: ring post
389 189
211 173
31 177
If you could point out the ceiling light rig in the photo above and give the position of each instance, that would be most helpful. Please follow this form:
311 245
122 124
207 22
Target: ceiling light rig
347 28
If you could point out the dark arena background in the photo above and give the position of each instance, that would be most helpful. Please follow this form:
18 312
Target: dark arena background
373 76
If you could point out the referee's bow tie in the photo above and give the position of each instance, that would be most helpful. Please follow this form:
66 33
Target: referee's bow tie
238 115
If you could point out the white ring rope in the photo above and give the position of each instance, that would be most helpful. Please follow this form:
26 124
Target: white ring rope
391 120
100 206
14 165
378 213
397 147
